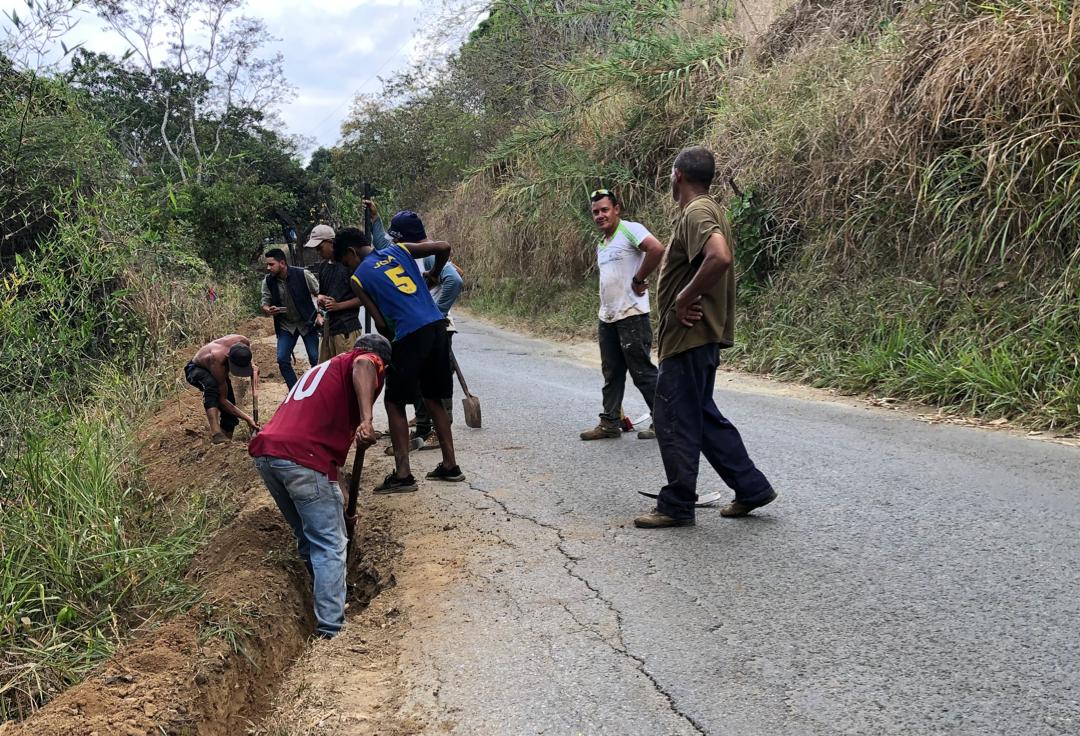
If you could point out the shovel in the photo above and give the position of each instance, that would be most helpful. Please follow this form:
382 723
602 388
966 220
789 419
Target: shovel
254 404
470 403
350 506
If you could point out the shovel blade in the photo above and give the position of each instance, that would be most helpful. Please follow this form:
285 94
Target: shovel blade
471 404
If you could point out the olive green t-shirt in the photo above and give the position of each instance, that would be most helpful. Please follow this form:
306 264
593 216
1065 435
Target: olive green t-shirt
699 220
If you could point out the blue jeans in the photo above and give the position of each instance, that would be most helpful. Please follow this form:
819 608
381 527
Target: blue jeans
688 425
286 341
314 507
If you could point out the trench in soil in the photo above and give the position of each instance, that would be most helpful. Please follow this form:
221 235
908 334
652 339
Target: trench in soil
214 669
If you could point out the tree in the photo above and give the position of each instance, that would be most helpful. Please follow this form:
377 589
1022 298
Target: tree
203 63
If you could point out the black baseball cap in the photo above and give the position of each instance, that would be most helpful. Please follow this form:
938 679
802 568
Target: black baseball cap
240 360
407 227
377 344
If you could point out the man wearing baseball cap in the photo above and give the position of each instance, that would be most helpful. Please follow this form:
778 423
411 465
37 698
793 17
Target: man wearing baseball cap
209 372
299 452
339 305
319 233
395 293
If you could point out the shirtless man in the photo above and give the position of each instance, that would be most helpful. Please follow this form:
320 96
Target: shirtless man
209 372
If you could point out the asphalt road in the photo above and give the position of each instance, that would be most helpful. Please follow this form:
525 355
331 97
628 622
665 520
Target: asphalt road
910 579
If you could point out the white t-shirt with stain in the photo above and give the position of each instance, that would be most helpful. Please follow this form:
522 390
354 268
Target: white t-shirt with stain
619 259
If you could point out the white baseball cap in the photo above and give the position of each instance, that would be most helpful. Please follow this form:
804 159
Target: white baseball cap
319 233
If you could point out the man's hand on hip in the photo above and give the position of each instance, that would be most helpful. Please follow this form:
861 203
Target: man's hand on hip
688 311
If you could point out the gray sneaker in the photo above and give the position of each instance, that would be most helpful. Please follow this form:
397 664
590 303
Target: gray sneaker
647 434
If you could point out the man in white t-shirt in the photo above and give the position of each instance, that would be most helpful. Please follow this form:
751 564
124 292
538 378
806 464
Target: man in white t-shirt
627 254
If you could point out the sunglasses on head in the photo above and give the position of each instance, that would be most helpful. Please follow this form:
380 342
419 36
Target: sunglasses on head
598 194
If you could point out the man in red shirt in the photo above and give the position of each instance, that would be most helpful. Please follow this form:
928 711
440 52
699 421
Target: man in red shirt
299 451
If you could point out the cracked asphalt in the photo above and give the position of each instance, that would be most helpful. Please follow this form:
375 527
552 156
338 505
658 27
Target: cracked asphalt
910 579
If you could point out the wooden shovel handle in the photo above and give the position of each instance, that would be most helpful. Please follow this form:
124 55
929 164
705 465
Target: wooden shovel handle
460 377
358 467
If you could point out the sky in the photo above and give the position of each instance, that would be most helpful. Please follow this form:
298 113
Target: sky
332 50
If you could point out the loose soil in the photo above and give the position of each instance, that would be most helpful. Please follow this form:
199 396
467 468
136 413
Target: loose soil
213 669
362 683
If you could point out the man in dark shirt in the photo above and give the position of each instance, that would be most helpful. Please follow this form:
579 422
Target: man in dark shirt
342 307
696 293
394 291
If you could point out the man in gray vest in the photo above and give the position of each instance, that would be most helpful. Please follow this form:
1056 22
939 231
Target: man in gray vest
287 296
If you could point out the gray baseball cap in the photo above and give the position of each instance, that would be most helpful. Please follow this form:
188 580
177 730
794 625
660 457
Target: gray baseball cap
319 233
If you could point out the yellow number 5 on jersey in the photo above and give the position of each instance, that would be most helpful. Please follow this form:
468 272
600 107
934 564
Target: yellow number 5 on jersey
404 284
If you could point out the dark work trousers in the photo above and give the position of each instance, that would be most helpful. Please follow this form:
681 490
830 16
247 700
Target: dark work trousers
688 425
423 416
626 345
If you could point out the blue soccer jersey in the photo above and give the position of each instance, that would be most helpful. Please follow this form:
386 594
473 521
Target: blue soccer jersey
392 279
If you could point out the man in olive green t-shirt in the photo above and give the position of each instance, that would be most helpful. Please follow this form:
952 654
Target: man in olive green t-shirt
696 295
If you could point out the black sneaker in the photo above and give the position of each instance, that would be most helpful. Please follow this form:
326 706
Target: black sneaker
441 472
393 484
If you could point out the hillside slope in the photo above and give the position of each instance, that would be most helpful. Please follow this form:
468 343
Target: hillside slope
902 177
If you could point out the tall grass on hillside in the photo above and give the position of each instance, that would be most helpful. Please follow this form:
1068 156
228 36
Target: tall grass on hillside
87 553
88 324
925 184
908 215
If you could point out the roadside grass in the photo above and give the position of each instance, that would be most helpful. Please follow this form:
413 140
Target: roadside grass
561 310
991 356
88 553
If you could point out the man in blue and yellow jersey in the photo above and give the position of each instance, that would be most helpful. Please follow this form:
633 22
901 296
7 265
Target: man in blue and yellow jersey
395 293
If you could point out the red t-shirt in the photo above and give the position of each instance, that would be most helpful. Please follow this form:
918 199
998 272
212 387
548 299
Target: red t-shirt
317 422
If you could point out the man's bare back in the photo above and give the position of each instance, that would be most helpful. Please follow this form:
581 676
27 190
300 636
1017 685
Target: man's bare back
209 372
216 353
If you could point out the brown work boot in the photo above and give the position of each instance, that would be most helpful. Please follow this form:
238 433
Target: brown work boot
647 434
219 438
737 509
656 520
605 430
